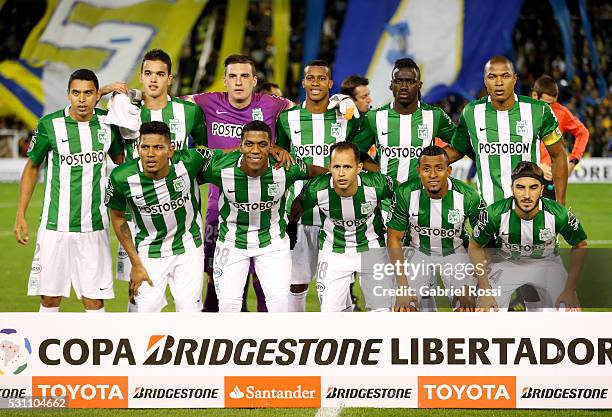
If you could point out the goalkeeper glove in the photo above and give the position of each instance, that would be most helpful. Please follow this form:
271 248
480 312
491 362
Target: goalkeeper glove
344 105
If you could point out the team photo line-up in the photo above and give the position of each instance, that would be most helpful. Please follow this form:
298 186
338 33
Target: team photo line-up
327 190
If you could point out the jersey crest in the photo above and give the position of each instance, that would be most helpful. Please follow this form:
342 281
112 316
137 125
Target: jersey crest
102 136
423 132
272 189
454 216
175 126
367 207
336 130
178 184
546 234
257 114
521 128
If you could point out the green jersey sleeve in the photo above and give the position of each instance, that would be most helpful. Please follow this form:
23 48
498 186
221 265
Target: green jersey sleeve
116 146
445 129
461 136
198 130
114 197
309 195
570 227
486 226
39 145
473 206
366 135
282 138
209 157
398 212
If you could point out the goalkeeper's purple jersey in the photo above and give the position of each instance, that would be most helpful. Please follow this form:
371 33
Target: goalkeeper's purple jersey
224 122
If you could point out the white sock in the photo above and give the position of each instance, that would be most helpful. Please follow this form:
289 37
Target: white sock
43 309
297 301
101 310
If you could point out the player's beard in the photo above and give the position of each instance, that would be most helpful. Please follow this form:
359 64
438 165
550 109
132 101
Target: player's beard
522 208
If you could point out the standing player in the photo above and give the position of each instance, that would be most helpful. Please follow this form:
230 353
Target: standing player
526 226
545 89
185 120
502 130
432 216
72 245
225 115
357 88
164 200
253 220
269 88
348 202
401 129
309 130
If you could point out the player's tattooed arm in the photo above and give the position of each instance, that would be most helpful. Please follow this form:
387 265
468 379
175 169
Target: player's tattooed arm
453 153
122 230
479 260
368 163
26 189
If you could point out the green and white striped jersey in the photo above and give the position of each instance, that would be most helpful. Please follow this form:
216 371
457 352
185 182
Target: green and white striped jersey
166 211
75 176
435 226
310 136
400 138
535 238
182 117
502 139
350 224
252 211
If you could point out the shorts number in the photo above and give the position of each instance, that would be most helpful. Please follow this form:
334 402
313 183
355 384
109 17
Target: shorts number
211 233
221 256
322 272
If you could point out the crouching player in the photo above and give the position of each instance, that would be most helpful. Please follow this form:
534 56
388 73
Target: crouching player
430 216
352 238
252 218
162 193
526 226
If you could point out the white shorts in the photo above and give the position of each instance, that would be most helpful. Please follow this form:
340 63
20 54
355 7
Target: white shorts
184 274
65 258
273 268
455 270
548 276
124 265
335 274
305 254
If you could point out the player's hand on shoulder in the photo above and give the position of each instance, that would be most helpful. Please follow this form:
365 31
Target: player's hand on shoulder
486 303
116 87
21 230
406 303
282 157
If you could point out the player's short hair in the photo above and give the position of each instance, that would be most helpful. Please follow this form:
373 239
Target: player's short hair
319 63
406 63
434 150
265 87
239 59
527 169
546 85
256 126
157 55
350 83
84 74
500 59
157 128
345 146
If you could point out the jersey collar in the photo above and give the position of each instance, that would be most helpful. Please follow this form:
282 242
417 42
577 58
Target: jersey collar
67 114
539 206
393 102
331 181
516 100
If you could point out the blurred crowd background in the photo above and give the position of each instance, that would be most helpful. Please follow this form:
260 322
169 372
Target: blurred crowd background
537 47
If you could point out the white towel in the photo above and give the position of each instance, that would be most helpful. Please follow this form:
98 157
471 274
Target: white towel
125 115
